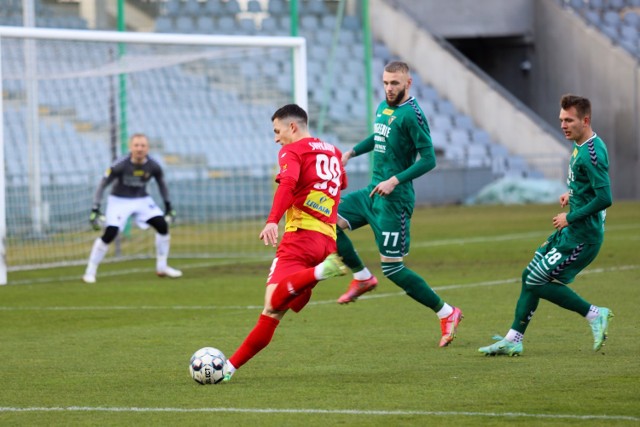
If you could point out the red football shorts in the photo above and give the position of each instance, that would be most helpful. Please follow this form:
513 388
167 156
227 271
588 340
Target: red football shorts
299 250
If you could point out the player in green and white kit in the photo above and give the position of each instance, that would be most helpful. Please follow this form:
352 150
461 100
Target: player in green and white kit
401 133
577 239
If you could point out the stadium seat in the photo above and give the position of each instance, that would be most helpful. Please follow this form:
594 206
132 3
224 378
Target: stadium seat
462 121
213 8
310 22
446 107
592 17
459 137
184 24
191 8
611 18
617 4
269 25
232 7
631 18
246 26
226 25
442 122
277 7
163 24
254 6
313 7
480 136
205 24
171 8
629 32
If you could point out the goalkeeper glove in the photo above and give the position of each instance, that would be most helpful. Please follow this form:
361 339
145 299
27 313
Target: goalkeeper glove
95 218
170 213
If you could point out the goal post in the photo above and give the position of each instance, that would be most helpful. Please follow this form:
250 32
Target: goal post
204 101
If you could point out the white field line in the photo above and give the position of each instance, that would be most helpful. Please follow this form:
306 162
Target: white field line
260 307
327 412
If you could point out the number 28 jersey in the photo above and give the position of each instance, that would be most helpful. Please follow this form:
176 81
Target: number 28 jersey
316 168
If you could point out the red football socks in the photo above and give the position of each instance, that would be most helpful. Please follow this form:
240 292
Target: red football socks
259 337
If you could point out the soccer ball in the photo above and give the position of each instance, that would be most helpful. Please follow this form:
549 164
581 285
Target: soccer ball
208 365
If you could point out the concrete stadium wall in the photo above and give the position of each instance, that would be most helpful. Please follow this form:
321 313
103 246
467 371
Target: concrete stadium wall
511 124
472 18
572 57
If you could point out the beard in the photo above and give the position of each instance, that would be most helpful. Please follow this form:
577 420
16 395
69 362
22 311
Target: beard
400 96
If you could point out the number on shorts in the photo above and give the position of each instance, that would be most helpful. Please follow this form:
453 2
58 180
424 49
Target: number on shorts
553 256
390 235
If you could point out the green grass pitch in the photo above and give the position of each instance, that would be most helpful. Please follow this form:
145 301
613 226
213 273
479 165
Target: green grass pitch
117 352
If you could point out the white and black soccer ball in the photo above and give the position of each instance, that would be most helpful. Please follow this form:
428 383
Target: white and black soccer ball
208 365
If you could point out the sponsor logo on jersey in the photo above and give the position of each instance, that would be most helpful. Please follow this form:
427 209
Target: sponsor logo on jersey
381 129
319 202
138 172
387 111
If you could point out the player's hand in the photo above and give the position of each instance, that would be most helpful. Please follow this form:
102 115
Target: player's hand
170 216
564 200
346 156
269 234
560 221
385 188
95 218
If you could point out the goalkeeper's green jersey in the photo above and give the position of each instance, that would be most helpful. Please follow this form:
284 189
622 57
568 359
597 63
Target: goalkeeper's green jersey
588 170
400 133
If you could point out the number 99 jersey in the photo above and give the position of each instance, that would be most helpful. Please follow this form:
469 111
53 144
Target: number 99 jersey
316 168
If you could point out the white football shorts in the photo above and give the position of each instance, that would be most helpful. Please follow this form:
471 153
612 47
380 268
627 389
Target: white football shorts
119 209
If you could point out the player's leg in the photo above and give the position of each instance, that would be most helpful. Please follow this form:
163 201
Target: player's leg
511 343
392 231
151 214
259 337
354 211
98 252
118 211
305 257
559 267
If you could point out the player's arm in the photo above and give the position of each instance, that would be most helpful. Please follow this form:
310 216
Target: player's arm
424 164
282 200
170 213
284 196
364 146
109 176
601 201
95 215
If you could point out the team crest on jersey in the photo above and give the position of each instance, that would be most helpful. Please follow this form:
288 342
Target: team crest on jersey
319 202
575 152
391 119
387 111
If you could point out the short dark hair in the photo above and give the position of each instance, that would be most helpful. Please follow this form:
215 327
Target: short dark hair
397 67
581 104
292 111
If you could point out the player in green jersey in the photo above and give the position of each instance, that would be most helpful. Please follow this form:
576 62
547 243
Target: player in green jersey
577 238
401 133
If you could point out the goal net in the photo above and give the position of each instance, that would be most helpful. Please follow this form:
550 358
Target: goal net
70 100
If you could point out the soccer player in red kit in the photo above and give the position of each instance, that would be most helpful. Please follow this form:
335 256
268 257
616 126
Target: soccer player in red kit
309 183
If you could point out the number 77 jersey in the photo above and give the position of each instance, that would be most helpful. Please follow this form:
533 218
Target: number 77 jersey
315 169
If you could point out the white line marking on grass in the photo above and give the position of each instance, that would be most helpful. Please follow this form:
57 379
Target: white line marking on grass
325 411
259 307
503 237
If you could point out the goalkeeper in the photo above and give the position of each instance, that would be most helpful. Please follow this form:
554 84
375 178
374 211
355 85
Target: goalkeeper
129 197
